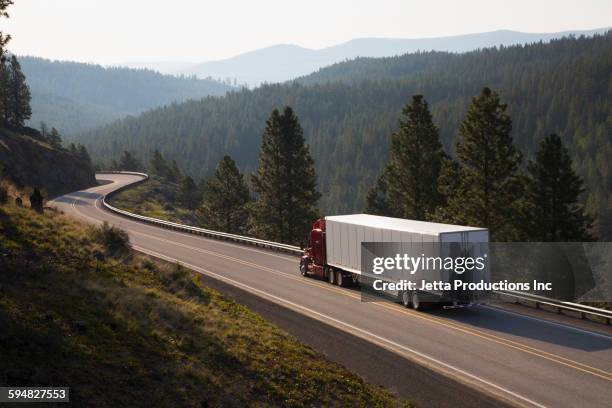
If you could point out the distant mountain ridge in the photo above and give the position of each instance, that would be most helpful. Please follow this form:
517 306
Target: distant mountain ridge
562 87
163 67
75 97
283 62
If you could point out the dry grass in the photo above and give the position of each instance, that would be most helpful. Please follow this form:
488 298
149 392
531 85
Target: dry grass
155 198
121 330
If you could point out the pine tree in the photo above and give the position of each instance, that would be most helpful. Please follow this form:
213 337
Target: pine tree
410 178
448 187
226 198
54 138
188 195
19 95
158 165
489 184
128 162
554 211
285 182
4 38
36 201
5 95
82 151
44 130
5 77
174 174
377 198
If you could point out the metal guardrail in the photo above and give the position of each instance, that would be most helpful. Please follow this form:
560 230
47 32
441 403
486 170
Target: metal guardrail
539 301
294 250
518 297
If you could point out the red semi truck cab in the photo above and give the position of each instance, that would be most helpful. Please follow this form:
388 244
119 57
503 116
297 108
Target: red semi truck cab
314 260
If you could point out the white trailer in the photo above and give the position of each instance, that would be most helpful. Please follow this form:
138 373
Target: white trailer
344 235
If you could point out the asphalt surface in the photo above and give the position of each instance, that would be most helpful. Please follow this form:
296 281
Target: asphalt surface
481 356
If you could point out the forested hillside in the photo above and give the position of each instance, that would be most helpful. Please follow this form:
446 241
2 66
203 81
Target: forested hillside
76 97
561 87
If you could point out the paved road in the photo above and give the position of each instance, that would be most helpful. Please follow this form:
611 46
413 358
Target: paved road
477 357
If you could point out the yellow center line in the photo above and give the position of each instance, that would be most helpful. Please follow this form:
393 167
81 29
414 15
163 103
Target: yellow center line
518 346
251 264
483 335
423 359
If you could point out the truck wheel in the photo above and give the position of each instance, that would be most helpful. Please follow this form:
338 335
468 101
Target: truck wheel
339 278
303 268
331 276
416 304
406 298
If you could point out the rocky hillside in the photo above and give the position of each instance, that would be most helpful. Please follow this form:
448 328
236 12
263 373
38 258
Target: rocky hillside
29 161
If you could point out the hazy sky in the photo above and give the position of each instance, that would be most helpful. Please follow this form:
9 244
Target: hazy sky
113 31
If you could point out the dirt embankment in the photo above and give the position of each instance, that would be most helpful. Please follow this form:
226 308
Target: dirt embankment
29 161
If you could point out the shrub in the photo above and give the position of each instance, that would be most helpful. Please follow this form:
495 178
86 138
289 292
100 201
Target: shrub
115 240
181 282
3 195
36 201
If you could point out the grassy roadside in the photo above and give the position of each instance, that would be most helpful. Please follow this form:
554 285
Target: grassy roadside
155 198
78 309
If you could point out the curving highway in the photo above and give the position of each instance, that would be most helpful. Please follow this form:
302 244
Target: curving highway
484 356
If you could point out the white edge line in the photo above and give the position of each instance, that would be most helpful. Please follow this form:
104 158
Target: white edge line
287 258
178 233
323 317
565 326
